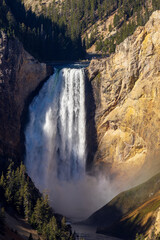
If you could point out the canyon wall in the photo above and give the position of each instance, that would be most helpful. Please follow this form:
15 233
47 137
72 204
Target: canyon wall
20 75
126 88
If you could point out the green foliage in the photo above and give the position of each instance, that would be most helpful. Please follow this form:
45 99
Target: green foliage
89 41
26 201
106 46
156 4
140 12
18 191
99 44
116 20
51 230
41 214
56 33
44 36
110 27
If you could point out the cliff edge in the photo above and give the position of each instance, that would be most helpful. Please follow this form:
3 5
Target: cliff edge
126 88
20 74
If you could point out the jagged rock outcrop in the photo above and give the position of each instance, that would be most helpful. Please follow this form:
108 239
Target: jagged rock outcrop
126 89
20 74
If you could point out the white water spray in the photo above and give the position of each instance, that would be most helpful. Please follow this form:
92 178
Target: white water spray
56 146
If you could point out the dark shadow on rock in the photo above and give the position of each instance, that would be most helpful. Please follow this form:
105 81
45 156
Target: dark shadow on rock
25 117
126 229
104 218
91 133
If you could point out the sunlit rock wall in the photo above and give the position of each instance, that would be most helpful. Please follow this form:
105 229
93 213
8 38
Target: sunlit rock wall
126 90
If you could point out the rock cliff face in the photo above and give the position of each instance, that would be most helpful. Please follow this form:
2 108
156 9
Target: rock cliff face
20 74
126 90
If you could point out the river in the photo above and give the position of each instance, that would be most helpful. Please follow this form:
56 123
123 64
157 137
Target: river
89 233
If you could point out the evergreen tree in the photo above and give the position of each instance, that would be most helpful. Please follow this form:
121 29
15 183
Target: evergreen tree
27 200
116 20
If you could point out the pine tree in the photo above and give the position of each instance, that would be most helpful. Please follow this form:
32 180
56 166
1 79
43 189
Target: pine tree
2 181
27 202
116 20
37 217
50 230
10 179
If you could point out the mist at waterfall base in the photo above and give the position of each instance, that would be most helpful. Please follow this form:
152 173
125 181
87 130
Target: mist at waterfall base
56 147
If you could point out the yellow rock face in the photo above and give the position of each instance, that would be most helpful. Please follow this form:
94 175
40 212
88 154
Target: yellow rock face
128 112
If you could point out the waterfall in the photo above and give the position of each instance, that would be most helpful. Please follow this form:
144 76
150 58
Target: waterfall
55 136
56 145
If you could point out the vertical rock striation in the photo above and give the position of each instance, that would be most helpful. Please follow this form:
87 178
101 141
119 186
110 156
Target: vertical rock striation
126 89
20 74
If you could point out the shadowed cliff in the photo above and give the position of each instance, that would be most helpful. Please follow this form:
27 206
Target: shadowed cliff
20 74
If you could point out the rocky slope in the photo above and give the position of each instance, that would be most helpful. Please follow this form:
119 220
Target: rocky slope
17 228
131 212
37 5
20 75
126 89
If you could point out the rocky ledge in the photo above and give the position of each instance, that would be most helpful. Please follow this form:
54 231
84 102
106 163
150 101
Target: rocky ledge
20 74
126 88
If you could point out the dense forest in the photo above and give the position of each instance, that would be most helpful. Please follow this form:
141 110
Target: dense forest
18 191
80 15
56 31
44 39
129 15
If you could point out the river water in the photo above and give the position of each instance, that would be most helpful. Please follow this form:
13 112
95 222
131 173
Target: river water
89 233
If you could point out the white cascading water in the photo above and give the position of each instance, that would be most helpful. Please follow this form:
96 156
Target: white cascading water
56 146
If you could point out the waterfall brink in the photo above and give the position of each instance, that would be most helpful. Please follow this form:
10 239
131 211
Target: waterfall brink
56 146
